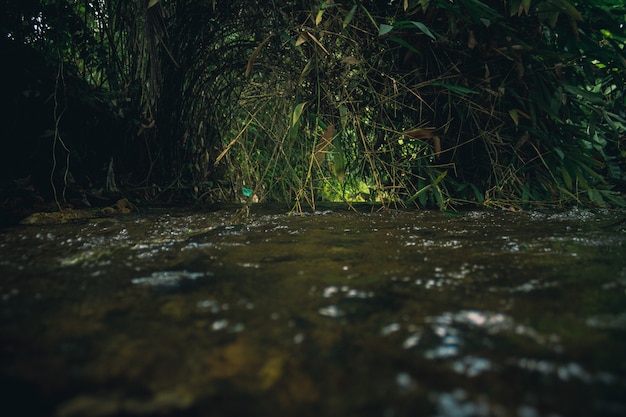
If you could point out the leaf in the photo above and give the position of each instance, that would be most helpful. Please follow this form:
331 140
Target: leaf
152 3
420 133
318 18
477 193
339 163
560 153
515 7
596 197
246 192
349 16
384 29
422 190
314 39
254 55
324 143
302 38
404 43
343 115
350 60
567 178
459 89
424 29
593 98
513 114
297 112
424 4
567 8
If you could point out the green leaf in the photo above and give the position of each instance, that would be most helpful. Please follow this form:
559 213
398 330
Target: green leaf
404 43
343 115
246 192
596 197
560 153
349 16
593 98
478 194
297 112
384 29
459 89
424 29
567 178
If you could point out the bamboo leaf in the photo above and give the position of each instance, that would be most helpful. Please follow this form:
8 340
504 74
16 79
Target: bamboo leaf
593 98
324 143
515 7
459 89
424 29
297 112
339 163
596 197
567 178
318 18
254 55
404 43
349 16
567 8
424 4
302 38
384 29
314 39
343 115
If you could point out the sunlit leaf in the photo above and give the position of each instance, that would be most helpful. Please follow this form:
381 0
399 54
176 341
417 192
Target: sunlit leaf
302 38
318 18
152 3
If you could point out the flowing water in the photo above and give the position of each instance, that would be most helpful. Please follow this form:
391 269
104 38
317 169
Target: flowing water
331 313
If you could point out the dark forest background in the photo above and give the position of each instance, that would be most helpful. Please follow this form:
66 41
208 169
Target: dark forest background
434 103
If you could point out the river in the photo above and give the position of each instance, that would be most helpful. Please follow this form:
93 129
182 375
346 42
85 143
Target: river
336 312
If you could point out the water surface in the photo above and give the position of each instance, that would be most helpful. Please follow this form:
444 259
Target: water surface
331 313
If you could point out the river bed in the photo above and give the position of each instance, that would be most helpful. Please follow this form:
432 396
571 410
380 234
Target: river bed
329 313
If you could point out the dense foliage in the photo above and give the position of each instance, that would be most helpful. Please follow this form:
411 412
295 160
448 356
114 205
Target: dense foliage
429 102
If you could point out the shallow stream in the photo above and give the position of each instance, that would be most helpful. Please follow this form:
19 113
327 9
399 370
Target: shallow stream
332 313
